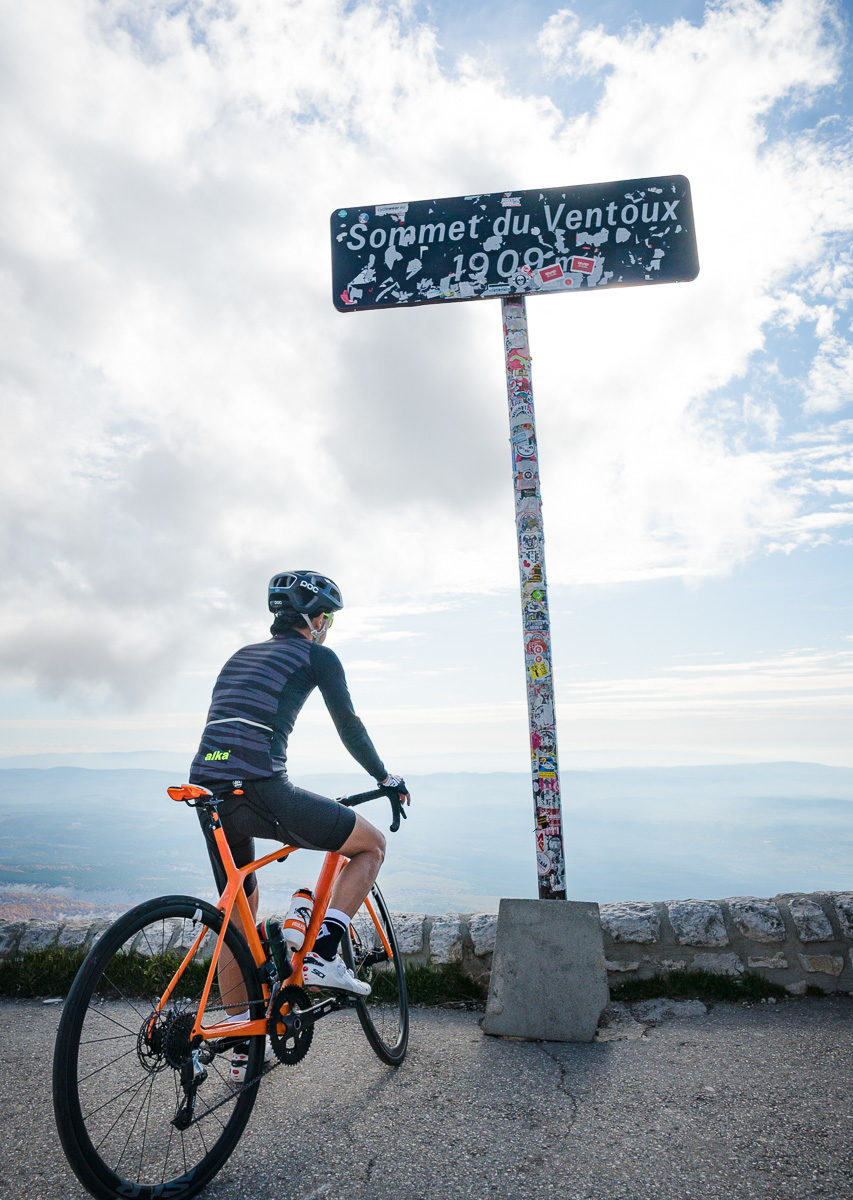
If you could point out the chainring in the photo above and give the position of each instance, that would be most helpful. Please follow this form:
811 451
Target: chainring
291 1031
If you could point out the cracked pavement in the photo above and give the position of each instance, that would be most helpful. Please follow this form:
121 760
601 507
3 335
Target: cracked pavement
740 1103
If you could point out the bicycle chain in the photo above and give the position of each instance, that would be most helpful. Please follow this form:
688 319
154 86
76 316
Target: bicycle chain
266 1069
298 997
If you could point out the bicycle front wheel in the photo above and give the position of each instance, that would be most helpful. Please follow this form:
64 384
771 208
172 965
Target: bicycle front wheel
124 1070
372 953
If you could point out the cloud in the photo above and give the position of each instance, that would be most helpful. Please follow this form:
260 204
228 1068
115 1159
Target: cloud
187 413
830 382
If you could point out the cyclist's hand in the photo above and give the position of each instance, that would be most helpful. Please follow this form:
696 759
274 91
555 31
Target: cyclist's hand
397 785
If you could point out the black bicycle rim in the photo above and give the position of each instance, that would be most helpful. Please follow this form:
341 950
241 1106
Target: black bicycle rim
118 1063
384 1014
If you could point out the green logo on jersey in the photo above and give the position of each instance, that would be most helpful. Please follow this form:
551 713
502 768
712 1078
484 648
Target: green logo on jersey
218 756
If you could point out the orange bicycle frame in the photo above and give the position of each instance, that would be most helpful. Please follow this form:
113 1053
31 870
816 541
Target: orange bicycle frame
233 896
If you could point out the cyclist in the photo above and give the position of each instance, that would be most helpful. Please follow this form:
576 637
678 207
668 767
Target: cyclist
243 754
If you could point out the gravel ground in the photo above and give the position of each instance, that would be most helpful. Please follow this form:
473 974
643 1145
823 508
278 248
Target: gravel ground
738 1103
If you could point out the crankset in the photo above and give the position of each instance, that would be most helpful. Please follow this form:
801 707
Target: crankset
290 1025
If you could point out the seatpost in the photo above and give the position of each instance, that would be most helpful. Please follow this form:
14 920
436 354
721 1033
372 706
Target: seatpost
204 820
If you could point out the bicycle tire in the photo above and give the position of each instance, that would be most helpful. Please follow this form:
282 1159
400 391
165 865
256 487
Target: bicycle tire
108 1042
384 1014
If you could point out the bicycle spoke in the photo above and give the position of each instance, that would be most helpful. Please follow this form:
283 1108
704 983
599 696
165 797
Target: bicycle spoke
225 1002
133 1126
97 1071
168 1145
145 1132
117 1037
106 1016
136 1088
121 996
220 1075
154 953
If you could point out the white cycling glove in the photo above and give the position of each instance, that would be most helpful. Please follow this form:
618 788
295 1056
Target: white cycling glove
395 781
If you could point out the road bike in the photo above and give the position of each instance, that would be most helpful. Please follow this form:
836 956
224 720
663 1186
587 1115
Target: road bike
142 1092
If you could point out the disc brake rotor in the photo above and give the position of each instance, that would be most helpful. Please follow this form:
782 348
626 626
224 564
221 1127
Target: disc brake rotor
150 1043
290 1026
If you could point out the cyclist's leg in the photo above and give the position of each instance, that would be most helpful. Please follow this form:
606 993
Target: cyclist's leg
228 971
365 849
303 818
318 823
242 846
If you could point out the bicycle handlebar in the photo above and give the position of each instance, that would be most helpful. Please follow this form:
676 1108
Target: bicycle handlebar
397 809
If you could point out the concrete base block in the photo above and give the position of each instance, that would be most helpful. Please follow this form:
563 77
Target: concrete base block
548 975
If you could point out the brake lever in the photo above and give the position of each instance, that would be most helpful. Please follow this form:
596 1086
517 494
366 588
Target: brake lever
397 808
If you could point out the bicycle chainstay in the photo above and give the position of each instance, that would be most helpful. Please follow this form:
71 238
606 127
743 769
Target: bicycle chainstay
321 1009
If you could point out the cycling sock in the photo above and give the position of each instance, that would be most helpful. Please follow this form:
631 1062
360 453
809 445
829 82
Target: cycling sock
243 1016
332 931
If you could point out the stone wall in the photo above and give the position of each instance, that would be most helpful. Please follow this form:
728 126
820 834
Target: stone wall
794 939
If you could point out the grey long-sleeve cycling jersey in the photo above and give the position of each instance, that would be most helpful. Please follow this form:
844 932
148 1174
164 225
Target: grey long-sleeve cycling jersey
256 701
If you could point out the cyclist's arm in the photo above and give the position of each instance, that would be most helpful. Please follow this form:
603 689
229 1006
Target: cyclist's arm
333 688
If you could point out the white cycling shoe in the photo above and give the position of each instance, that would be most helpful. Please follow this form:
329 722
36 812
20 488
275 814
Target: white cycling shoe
335 975
239 1062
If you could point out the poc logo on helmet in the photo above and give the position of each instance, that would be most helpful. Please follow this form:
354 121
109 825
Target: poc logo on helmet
312 587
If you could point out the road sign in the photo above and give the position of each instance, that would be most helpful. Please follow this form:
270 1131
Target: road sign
536 242
511 245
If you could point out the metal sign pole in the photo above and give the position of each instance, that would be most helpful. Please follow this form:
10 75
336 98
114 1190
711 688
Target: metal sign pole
550 856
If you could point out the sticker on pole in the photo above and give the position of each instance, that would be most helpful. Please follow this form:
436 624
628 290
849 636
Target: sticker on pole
537 242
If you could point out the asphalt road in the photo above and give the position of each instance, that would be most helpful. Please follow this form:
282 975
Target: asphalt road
737 1104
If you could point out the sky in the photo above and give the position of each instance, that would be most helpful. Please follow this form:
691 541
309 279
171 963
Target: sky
185 413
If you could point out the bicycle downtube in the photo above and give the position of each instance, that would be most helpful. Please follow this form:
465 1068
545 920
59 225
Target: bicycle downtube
333 864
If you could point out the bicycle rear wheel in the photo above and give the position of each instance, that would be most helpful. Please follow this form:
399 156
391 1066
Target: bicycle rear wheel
120 1065
384 1014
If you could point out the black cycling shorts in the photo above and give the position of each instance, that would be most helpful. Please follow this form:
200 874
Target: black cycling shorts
273 808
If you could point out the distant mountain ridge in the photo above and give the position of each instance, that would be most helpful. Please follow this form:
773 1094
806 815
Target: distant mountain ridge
118 760
631 834
157 760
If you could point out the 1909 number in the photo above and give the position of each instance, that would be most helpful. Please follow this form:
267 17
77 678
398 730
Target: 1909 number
507 263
